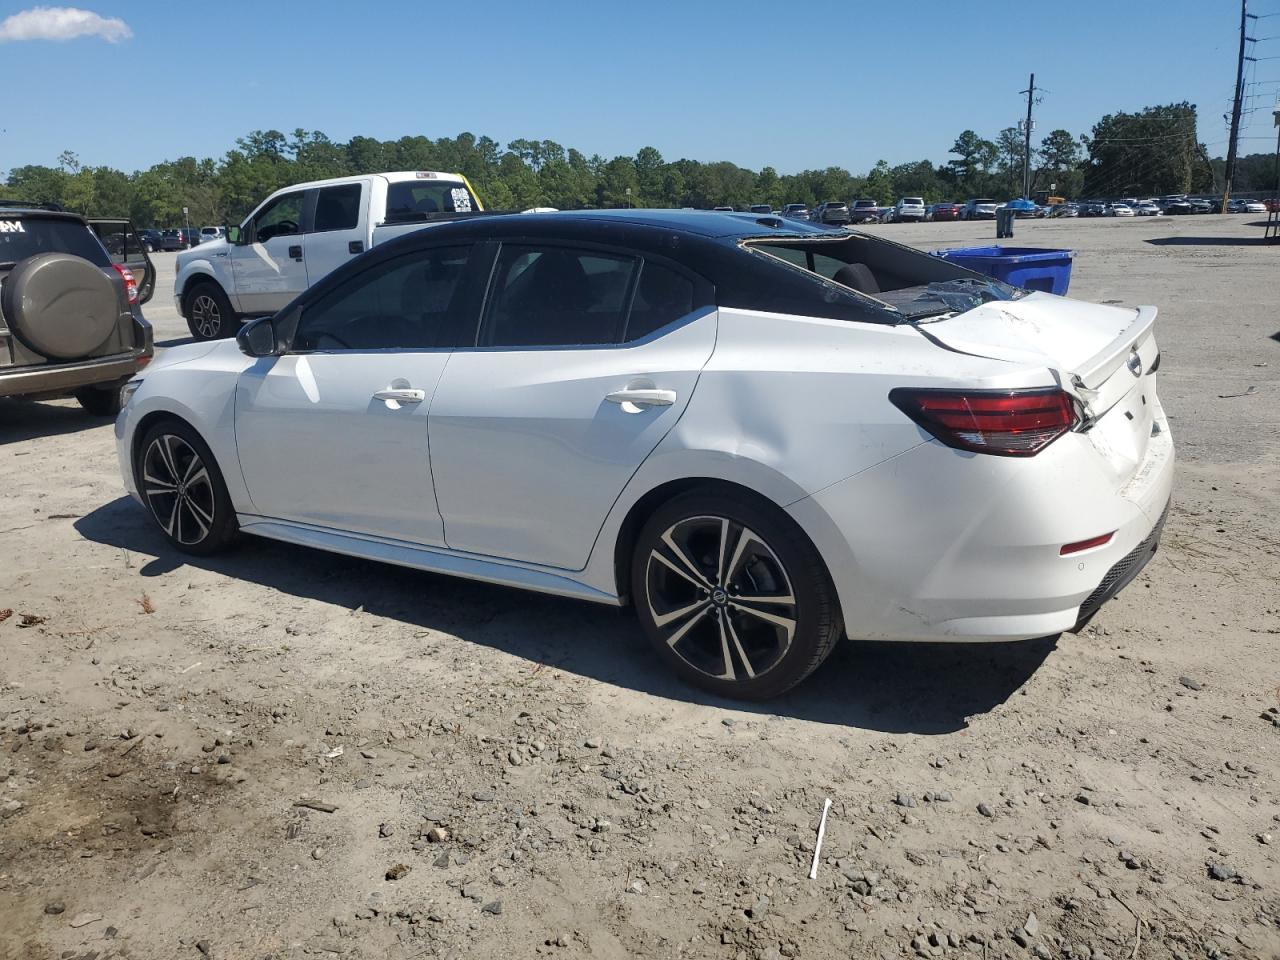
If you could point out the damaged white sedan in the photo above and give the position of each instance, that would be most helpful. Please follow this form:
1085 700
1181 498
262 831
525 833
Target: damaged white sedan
761 435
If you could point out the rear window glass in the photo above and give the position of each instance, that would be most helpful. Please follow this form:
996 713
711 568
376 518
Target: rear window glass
29 236
984 201
913 201
412 198
123 245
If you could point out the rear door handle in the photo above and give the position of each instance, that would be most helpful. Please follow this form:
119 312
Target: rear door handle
296 251
633 400
401 395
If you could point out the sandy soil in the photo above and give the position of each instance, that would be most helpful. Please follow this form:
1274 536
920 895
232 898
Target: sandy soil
501 774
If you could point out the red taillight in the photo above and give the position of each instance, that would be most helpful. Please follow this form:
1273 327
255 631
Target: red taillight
1070 548
130 284
1015 423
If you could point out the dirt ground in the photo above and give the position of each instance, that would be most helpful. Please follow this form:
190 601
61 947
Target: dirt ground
501 774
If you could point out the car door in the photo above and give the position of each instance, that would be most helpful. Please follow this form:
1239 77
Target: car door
334 432
338 228
268 264
583 361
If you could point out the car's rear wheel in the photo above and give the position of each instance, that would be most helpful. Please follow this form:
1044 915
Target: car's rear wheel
183 489
208 312
732 595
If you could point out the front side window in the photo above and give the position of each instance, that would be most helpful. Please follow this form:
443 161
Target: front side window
557 296
281 217
405 303
337 208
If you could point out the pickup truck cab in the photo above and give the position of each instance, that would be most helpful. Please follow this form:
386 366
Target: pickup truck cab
300 234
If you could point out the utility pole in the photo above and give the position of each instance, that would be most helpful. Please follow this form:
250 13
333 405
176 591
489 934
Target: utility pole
1235 106
1026 149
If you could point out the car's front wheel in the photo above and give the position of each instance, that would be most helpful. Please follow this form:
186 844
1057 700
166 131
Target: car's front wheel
183 489
732 594
209 313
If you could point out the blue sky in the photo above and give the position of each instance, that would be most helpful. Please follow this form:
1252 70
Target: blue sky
798 85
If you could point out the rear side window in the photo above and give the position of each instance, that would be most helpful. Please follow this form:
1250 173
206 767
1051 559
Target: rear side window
557 296
29 236
404 303
662 296
338 208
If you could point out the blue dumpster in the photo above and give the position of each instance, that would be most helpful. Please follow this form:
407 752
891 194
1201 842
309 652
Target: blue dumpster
1027 267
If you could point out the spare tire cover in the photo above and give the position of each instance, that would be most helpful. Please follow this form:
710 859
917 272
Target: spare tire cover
59 305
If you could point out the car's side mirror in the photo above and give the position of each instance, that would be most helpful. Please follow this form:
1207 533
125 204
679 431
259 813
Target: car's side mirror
257 338
235 235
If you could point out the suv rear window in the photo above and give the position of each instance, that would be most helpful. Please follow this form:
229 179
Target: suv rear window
912 202
28 236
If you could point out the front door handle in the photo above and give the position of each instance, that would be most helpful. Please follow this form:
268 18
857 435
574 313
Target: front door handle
295 251
634 400
398 395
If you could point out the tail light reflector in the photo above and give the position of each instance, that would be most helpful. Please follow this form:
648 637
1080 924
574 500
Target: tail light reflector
1079 545
1012 423
130 284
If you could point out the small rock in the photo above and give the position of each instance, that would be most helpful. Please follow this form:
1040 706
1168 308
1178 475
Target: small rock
494 907
1223 872
385 830
1032 925
54 908
398 871
317 853
985 810
368 755
905 800
204 947
1264 838
591 743
483 796
636 886
436 835
10 807
1190 684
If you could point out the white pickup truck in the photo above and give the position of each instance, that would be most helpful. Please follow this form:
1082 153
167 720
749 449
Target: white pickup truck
301 233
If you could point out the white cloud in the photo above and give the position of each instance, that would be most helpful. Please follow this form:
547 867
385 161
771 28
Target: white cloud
62 23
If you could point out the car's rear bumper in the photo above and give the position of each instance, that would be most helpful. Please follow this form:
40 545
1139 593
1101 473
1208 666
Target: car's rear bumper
936 544
50 380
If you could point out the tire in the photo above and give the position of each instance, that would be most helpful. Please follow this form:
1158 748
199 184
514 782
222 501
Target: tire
712 629
183 490
100 401
208 312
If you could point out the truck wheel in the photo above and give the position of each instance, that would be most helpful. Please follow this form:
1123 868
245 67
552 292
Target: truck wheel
208 312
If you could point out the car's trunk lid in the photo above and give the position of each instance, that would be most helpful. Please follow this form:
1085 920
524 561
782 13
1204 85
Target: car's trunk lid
1102 354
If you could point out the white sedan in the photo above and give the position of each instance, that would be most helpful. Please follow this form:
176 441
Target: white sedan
760 434
1119 210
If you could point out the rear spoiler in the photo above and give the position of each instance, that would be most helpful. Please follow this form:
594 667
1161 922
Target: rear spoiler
1095 371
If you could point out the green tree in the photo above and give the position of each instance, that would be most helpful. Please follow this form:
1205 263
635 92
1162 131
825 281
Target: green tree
1152 151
